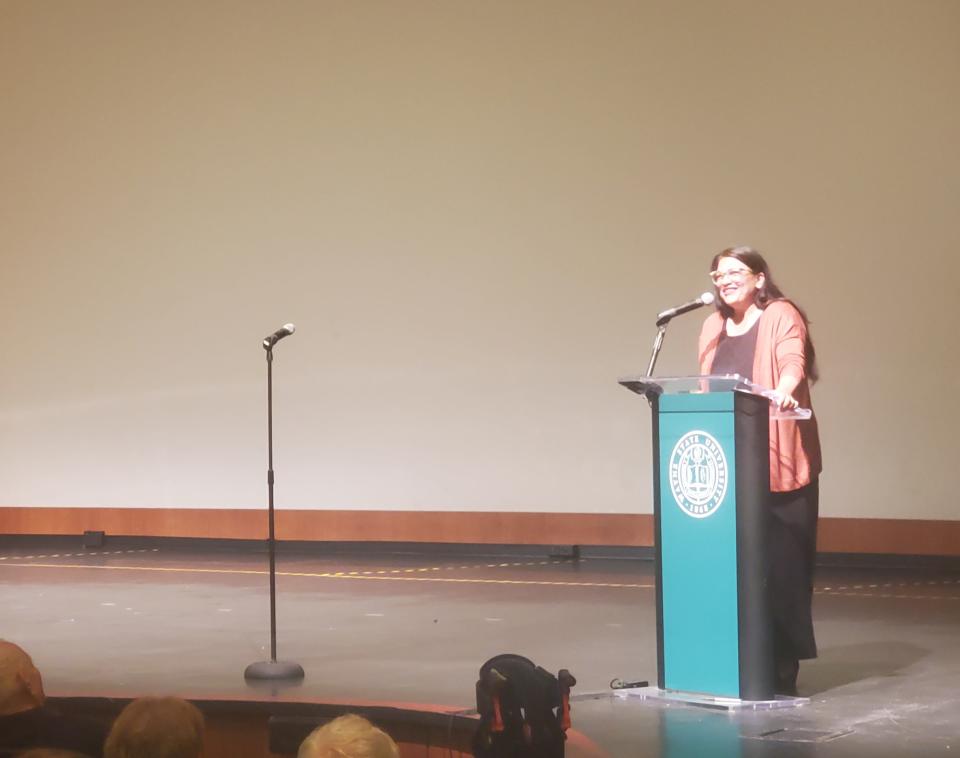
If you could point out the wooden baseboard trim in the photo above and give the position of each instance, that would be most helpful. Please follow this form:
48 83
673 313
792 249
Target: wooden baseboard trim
888 536
836 535
339 525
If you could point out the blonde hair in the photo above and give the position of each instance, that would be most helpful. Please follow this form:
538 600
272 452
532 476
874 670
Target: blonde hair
349 736
156 727
21 686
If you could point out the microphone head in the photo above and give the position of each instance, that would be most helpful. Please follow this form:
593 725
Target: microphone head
707 298
290 328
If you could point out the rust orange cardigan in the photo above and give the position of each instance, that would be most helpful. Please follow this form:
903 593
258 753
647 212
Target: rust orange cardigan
794 445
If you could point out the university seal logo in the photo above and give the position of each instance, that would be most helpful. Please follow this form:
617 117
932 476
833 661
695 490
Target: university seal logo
698 474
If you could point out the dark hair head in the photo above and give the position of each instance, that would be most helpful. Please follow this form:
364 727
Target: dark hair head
764 295
755 262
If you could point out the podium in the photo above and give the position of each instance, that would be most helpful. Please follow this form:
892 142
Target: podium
711 481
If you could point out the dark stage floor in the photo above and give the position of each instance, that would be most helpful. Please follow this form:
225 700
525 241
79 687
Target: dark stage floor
414 628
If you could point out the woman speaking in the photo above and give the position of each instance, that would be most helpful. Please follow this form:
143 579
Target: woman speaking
759 334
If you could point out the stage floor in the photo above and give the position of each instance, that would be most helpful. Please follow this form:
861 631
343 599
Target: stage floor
414 627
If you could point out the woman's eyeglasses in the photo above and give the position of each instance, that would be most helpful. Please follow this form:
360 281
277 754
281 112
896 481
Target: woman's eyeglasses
734 275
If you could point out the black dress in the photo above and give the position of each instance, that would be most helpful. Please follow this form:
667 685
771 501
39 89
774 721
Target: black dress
735 354
791 539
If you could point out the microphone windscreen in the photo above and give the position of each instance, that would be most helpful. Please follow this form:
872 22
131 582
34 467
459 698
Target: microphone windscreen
707 298
291 328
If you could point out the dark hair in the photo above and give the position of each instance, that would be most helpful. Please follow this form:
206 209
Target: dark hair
768 293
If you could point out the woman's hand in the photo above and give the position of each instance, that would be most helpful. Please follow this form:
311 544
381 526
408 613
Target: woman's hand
784 400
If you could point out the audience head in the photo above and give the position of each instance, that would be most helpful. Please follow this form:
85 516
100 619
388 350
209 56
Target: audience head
156 727
349 736
21 688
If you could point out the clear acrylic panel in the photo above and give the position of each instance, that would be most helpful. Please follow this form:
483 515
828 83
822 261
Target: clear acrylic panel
679 385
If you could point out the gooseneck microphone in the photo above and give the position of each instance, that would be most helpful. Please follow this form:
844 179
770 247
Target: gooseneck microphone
705 299
284 331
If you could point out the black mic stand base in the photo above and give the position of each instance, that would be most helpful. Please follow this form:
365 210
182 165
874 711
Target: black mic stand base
274 670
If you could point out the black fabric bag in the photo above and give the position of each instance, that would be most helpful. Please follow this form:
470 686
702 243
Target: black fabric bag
524 709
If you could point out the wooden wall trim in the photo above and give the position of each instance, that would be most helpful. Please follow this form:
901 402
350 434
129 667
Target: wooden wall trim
836 535
888 536
339 525
153 522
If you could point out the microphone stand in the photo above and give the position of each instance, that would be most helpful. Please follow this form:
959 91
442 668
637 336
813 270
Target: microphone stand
272 669
664 318
657 344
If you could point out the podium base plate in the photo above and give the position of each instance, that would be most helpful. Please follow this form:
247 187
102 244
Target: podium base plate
714 702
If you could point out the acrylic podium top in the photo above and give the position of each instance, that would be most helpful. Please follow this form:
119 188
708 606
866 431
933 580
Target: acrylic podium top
654 386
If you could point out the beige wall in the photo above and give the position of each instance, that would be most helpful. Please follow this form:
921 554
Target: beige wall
472 211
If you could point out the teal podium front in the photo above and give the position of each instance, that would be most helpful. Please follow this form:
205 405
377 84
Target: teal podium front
711 481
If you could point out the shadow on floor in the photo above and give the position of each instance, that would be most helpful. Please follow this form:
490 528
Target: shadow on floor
847 664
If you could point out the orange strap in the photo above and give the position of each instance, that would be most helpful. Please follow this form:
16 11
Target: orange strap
497 725
565 711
